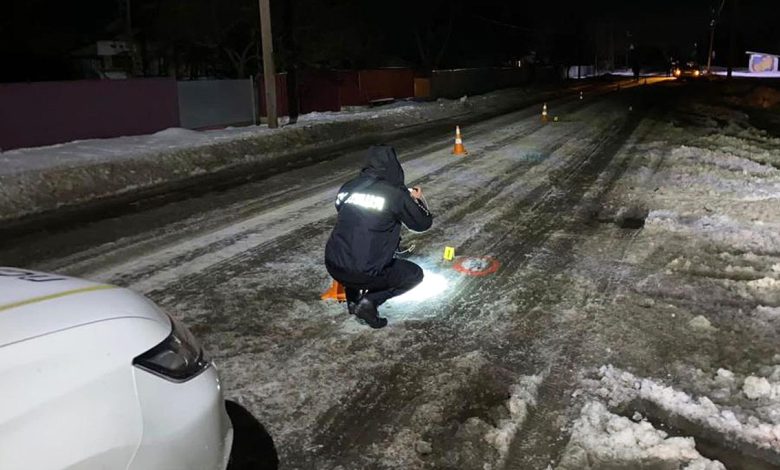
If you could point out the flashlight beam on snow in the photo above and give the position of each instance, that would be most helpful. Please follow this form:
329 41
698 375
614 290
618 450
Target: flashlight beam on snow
432 285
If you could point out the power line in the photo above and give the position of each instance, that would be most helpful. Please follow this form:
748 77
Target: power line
501 23
514 26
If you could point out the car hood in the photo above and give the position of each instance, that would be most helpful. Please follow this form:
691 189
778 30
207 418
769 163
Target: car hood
34 304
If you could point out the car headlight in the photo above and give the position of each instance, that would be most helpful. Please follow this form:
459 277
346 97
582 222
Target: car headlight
178 358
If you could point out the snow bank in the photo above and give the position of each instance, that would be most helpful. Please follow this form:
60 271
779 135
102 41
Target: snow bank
719 229
721 159
619 388
600 439
40 180
747 74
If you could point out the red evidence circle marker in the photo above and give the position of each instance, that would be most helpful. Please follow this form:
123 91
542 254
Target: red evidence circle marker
476 265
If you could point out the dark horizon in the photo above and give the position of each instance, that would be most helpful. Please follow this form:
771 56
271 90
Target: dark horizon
44 40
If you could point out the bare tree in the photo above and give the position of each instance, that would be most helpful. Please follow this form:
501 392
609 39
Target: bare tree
433 38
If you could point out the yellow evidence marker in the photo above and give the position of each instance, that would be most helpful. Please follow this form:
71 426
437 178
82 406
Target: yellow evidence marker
449 253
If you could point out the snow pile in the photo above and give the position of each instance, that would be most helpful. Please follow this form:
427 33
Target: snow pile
466 414
768 313
766 289
523 395
727 161
766 389
759 387
745 143
701 323
601 439
619 388
755 396
721 229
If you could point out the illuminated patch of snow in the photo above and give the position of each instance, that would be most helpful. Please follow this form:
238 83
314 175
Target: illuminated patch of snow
432 286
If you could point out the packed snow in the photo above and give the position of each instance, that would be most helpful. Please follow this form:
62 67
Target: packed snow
600 439
618 388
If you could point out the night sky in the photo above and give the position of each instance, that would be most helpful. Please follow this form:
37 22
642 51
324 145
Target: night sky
40 36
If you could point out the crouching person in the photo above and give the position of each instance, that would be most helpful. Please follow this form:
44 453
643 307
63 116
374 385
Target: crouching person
360 253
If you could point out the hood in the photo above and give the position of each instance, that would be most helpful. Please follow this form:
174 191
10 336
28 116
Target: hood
382 163
34 304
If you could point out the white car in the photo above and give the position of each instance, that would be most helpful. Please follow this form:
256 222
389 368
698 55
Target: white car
97 377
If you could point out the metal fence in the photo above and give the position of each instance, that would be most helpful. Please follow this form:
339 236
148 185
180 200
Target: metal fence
456 83
205 104
35 114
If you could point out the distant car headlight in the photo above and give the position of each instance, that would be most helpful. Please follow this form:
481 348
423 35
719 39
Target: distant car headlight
677 72
178 358
696 73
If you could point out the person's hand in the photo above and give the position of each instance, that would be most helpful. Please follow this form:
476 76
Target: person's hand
416 192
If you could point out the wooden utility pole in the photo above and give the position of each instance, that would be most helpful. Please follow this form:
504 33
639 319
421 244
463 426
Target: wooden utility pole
269 70
733 35
713 23
135 56
712 41
291 51
612 46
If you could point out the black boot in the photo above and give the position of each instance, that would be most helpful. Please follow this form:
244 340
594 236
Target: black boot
366 311
353 297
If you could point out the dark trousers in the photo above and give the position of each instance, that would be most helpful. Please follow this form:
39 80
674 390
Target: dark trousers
399 277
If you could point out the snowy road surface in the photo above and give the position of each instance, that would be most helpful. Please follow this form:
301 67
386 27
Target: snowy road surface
632 323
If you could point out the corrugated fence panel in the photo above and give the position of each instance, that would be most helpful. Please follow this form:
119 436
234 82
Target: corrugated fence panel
319 91
456 83
349 88
327 90
386 83
281 95
44 113
207 104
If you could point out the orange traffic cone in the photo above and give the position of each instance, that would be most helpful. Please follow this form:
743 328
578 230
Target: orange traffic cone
459 148
544 113
335 292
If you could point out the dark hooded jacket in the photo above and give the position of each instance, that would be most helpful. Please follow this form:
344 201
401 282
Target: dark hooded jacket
371 209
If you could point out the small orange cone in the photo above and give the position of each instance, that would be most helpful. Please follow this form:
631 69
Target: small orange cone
335 292
544 113
459 148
